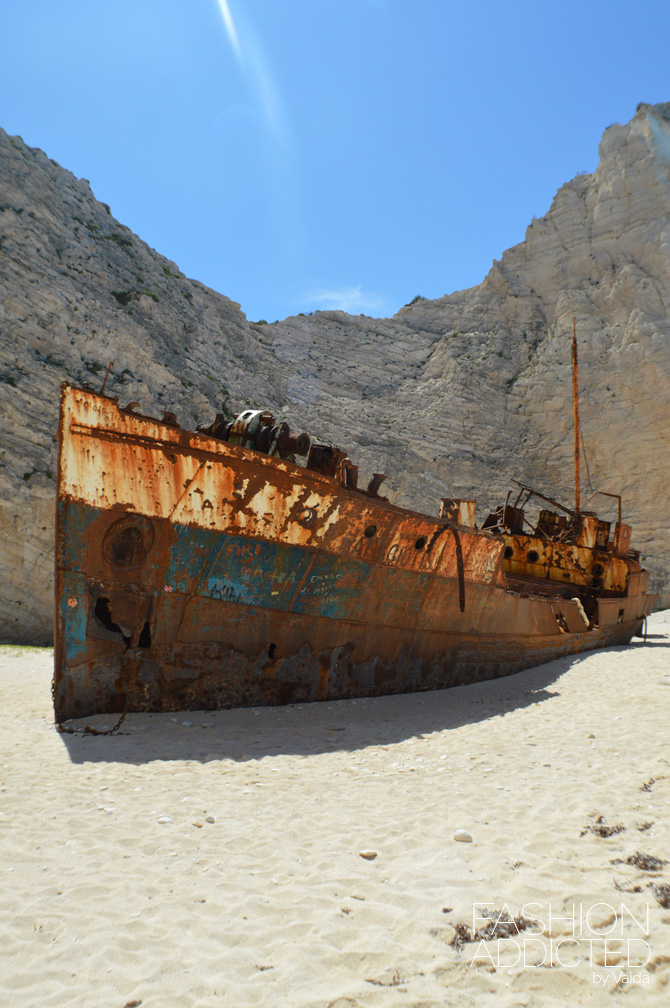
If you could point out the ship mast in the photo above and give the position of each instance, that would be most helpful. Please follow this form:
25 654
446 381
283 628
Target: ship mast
575 399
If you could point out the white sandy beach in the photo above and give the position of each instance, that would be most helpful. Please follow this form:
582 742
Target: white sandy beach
207 859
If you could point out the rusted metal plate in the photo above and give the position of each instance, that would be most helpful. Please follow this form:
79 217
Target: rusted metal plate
458 510
196 573
565 563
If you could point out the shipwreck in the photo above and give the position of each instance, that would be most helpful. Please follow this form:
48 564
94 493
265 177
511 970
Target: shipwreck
208 569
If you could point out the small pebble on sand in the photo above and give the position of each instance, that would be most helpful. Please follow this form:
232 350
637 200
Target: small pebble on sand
463 836
164 819
369 855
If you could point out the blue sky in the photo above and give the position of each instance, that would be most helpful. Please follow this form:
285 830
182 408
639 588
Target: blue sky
305 154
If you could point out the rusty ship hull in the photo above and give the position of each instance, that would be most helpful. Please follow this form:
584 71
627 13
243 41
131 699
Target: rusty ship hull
192 573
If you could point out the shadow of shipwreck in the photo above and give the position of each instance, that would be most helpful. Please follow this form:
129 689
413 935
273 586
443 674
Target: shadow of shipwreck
246 734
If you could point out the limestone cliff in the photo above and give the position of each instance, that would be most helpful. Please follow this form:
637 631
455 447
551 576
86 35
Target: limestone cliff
451 396
80 290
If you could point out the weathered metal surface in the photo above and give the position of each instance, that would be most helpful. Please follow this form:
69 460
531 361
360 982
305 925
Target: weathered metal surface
192 572
581 566
117 462
455 509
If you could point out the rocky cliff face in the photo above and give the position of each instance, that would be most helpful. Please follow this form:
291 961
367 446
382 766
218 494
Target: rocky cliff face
80 290
449 397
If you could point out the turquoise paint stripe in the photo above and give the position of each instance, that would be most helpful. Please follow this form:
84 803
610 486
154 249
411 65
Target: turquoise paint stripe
188 555
205 563
274 576
73 523
74 616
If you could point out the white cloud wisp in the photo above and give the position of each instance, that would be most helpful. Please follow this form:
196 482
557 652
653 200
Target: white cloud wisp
348 299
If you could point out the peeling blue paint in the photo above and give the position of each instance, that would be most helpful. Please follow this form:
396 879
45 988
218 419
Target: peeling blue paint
202 563
73 612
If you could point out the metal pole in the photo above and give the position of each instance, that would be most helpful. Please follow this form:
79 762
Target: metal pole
109 368
575 399
617 498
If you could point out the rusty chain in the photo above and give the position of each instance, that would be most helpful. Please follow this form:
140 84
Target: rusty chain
87 730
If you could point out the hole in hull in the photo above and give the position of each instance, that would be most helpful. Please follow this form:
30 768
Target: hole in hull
103 615
562 622
145 636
